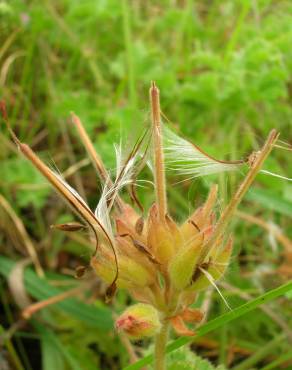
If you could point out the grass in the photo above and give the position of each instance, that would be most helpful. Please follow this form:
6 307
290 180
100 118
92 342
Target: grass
224 71
220 321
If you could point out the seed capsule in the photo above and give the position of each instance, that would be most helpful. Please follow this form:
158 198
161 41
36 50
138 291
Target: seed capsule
183 264
138 321
215 268
160 239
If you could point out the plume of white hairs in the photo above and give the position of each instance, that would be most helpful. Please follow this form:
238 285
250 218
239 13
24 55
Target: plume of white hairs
73 191
110 190
189 160
124 175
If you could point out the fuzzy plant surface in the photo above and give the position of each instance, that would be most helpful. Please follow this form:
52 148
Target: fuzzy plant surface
185 359
161 263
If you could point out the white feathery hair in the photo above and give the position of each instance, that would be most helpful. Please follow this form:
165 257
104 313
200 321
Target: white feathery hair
187 159
124 174
71 189
213 283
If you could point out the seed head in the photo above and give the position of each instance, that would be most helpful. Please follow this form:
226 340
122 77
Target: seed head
162 264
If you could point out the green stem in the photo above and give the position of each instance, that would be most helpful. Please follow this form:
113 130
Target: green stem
160 346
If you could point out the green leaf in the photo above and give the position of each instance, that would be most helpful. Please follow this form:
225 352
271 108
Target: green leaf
17 172
270 200
218 322
96 317
185 359
51 356
53 351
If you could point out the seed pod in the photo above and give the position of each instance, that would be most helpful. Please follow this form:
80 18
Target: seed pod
160 239
223 257
69 226
182 265
139 226
129 214
175 232
138 321
190 228
131 273
134 273
104 267
123 228
202 217
215 268
210 202
201 283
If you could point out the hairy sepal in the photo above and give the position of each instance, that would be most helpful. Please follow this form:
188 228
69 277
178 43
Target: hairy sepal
182 265
160 239
139 321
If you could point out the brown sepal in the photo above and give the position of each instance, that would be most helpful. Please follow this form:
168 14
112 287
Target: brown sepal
192 315
180 328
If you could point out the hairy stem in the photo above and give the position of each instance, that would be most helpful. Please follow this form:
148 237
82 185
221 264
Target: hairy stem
160 346
236 199
94 157
158 152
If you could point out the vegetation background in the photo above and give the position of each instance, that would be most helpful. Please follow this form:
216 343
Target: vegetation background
224 71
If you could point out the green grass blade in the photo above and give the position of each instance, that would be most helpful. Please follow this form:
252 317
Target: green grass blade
270 200
11 350
262 353
56 349
279 361
218 322
96 317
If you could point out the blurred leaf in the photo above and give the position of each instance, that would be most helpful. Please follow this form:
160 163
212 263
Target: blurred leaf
52 358
95 316
270 200
54 352
18 172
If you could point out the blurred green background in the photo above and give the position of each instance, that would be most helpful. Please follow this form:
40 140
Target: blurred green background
224 71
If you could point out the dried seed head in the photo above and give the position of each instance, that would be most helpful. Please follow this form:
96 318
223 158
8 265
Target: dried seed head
155 259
